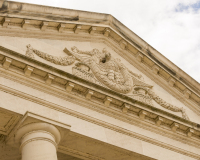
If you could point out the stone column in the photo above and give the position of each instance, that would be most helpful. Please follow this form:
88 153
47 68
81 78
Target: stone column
38 141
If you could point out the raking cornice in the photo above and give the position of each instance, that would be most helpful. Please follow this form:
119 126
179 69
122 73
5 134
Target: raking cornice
110 30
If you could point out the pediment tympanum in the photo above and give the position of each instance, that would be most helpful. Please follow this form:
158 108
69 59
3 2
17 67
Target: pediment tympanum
102 68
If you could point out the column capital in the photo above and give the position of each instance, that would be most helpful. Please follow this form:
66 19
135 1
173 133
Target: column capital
38 126
38 141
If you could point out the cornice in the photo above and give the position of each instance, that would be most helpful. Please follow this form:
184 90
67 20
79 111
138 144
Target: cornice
109 29
110 111
100 122
71 78
126 54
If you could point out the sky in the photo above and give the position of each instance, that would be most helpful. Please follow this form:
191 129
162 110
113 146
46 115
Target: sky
170 26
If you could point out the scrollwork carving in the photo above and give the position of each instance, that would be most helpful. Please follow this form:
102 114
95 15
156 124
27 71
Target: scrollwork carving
100 65
109 71
166 105
64 61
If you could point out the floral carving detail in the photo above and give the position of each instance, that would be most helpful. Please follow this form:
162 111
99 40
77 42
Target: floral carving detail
108 71
64 61
167 105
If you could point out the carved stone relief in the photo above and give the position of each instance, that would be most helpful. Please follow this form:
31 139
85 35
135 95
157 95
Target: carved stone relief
64 61
83 71
101 68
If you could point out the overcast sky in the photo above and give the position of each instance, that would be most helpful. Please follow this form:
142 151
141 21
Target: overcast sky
170 26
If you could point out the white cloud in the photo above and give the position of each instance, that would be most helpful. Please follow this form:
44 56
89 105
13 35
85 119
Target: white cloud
172 27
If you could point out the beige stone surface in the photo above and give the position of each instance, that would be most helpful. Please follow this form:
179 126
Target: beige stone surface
38 141
92 130
136 109
98 132
55 48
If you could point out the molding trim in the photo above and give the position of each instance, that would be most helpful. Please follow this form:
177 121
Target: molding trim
78 154
126 54
108 22
40 126
107 125
88 104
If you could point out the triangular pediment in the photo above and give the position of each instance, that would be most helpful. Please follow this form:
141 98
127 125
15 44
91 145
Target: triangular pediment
100 63
89 71
102 52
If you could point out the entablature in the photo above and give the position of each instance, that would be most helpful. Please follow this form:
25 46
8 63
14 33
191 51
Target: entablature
37 75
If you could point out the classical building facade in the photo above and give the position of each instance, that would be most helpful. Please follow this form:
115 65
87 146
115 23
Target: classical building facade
78 85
